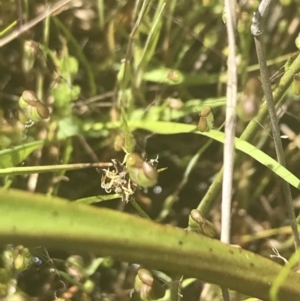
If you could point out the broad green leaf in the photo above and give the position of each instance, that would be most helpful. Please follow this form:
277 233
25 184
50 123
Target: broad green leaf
15 155
168 128
72 226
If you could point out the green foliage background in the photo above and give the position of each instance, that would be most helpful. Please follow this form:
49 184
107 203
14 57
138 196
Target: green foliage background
176 64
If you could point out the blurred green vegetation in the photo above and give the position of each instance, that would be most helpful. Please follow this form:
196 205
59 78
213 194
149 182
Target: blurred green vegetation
99 66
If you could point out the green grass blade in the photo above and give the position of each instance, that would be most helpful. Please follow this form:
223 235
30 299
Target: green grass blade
14 156
168 128
98 198
80 55
8 28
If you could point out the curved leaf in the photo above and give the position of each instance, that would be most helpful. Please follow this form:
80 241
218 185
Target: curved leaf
168 128
66 225
13 156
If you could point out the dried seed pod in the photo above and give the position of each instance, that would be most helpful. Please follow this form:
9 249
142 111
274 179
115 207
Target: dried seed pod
32 108
206 120
119 142
296 84
148 287
140 172
31 50
145 276
199 224
249 103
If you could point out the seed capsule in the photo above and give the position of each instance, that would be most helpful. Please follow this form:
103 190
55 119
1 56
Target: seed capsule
141 172
31 50
199 224
32 108
206 120
147 286
119 142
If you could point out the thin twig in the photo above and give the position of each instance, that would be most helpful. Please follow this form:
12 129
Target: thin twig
276 133
231 95
19 31
272 114
260 17
10 171
249 133
140 210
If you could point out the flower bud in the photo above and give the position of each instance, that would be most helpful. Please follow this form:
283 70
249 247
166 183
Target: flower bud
22 260
88 286
141 172
30 49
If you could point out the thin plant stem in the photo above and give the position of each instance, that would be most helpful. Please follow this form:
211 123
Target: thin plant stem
231 95
140 210
225 293
101 8
136 26
254 126
276 134
171 199
260 17
19 31
11 171
228 154
8 28
19 12
257 29
175 288
80 55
